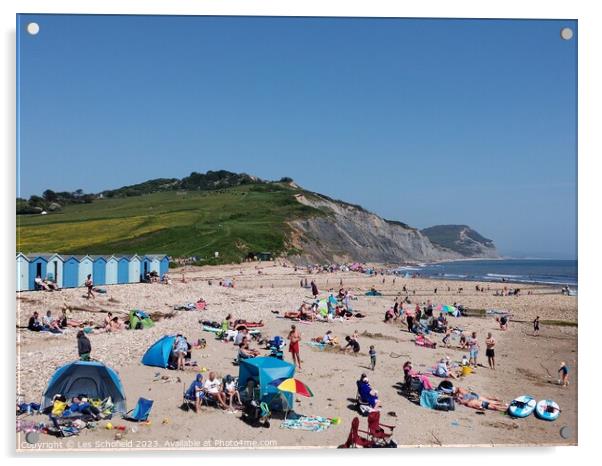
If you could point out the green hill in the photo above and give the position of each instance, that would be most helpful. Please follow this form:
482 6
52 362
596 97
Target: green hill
233 214
250 217
461 239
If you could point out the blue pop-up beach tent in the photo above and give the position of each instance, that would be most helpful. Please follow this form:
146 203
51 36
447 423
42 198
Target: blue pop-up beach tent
264 370
90 378
158 354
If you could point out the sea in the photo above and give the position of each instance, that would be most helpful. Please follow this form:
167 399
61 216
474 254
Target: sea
539 271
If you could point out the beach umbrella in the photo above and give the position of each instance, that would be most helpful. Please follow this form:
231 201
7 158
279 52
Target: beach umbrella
292 385
446 308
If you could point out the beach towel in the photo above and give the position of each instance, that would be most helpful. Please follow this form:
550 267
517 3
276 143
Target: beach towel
428 398
308 423
316 344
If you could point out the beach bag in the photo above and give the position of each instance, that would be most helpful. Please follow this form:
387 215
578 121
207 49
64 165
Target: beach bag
58 407
445 403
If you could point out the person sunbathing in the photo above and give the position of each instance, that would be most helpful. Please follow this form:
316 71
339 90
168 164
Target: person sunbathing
107 321
52 286
65 321
475 401
423 340
482 404
115 325
51 324
41 284
304 310
240 324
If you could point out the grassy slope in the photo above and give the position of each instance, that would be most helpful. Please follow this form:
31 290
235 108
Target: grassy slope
232 221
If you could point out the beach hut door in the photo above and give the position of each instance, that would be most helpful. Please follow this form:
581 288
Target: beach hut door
55 275
39 269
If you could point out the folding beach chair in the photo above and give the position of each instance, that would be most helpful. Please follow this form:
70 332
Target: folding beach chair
355 440
141 412
377 434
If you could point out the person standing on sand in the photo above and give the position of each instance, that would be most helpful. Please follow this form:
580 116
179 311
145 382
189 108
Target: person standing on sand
564 374
180 350
473 347
294 337
536 326
409 313
314 289
84 347
490 351
372 354
89 285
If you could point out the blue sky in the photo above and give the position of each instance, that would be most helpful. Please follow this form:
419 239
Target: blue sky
423 121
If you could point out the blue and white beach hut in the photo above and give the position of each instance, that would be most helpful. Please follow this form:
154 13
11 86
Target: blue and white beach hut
145 265
111 272
22 272
134 269
99 270
86 266
54 269
37 268
123 270
164 266
70 272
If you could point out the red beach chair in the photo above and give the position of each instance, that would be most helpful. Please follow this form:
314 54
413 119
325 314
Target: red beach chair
355 440
375 429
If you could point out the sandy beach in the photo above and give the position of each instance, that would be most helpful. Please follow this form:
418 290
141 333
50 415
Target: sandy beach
526 364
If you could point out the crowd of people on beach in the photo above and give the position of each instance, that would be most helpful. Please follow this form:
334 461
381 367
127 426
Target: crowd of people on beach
428 326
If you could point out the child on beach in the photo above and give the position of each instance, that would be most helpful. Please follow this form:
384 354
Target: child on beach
446 338
564 374
473 347
536 326
372 354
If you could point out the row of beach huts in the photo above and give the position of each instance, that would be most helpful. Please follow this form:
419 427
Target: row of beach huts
69 271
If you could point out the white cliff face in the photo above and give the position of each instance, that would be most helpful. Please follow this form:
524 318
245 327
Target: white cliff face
349 233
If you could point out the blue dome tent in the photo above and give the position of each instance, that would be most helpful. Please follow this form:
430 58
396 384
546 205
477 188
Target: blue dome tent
93 379
262 371
158 353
